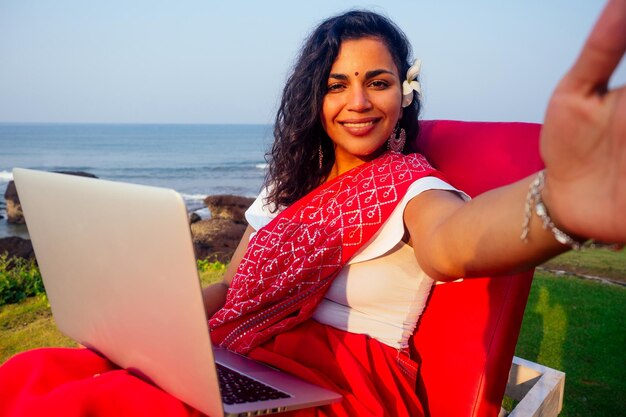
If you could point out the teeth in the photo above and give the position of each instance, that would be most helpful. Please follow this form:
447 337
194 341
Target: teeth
362 124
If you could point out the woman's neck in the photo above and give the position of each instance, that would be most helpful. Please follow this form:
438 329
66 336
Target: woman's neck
345 164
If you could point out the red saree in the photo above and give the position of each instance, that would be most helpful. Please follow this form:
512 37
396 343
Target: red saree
291 262
274 292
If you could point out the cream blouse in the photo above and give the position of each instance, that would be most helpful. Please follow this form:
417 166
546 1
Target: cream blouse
382 290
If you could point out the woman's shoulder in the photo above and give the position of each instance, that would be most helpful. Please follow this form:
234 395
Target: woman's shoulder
392 231
261 212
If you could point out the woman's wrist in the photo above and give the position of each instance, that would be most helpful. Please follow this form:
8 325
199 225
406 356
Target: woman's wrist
535 204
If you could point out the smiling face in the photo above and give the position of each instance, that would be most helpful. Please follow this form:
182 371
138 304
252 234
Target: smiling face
363 101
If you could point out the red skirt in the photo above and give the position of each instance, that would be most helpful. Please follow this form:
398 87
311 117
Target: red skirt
374 379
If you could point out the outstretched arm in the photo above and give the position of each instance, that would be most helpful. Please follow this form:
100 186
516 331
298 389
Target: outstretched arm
453 239
583 144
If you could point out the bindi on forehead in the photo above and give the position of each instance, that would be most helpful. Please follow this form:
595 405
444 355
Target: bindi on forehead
356 74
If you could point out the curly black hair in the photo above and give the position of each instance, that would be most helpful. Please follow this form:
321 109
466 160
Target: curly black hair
294 167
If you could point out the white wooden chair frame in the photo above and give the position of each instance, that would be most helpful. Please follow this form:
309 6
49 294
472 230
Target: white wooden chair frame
538 389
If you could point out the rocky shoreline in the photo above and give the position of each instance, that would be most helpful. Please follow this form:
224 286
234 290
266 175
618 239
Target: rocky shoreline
217 238
214 239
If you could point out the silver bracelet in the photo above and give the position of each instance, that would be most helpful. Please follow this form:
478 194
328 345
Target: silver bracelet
534 200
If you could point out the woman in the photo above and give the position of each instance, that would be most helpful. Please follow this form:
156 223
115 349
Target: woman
341 208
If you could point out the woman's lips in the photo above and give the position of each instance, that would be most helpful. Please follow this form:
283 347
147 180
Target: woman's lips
359 127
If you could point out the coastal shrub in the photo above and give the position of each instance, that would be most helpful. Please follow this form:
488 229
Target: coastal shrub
210 271
205 265
19 278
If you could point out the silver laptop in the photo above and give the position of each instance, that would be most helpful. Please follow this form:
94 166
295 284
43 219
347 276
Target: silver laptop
118 266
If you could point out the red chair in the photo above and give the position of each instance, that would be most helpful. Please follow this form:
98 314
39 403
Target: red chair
466 338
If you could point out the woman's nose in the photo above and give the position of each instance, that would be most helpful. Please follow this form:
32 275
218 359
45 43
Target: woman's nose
359 100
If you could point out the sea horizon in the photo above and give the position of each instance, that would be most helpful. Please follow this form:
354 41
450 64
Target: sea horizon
196 160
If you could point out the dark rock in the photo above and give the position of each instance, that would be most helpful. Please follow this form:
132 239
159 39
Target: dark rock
11 192
194 217
16 246
77 173
14 208
216 239
228 207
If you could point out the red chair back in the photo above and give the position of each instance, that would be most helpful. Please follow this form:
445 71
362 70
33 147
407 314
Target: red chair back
466 338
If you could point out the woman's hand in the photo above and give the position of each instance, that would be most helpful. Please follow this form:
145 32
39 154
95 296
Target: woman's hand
583 141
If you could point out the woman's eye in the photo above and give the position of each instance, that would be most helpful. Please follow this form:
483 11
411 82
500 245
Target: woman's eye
332 88
379 84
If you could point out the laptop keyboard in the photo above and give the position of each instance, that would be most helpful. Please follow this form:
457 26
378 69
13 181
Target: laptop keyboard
237 388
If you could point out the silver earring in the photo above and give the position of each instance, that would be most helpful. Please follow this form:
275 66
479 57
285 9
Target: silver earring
320 154
397 139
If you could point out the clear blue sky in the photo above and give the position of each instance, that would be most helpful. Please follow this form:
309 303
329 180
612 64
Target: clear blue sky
201 61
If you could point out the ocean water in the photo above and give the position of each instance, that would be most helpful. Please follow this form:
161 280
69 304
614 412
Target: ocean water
195 160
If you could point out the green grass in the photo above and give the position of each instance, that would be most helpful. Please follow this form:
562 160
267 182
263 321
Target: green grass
577 326
28 325
597 262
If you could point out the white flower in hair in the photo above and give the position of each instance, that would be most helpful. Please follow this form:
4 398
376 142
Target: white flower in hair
411 84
